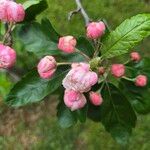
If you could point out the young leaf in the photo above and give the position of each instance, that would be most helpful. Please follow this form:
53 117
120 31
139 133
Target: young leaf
117 114
31 88
66 117
33 8
35 39
126 36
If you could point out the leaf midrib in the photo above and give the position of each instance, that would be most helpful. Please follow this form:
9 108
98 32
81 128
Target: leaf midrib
108 49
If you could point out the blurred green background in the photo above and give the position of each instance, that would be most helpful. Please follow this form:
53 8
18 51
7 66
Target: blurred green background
35 126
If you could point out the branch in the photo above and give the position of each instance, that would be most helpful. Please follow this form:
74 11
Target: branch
81 10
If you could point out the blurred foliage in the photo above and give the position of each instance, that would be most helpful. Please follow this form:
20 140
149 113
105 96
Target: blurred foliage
37 129
44 133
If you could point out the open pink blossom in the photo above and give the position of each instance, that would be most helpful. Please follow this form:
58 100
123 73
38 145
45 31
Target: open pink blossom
7 56
47 67
135 56
118 70
11 11
141 80
95 30
96 98
74 100
67 44
80 78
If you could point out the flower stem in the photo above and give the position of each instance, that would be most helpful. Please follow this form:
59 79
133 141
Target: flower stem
8 33
83 54
129 79
64 63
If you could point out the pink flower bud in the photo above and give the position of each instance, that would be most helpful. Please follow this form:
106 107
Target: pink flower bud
11 11
7 56
82 65
141 80
47 67
118 70
135 56
74 100
67 44
3 10
80 78
95 30
96 98
101 70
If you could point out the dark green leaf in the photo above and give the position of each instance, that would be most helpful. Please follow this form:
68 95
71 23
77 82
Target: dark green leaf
82 114
33 8
66 117
36 40
117 114
138 96
31 88
85 46
126 36
49 30
94 113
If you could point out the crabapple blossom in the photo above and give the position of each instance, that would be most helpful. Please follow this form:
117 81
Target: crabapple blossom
74 100
96 98
47 67
7 56
135 56
80 78
11 11
141 80
67 44
118 70
95 30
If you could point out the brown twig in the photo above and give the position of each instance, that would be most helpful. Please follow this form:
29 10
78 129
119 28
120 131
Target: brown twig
81 10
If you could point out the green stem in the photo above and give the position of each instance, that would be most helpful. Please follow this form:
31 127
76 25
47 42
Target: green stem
97 48
64 63
127 62
129 79
7 32
83 54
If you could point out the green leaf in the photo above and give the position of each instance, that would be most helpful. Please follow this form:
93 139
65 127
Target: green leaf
126 36
66 117
31 88
49 30
138 96
94 113
33 8
82 114
36 40
117 114
85 46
